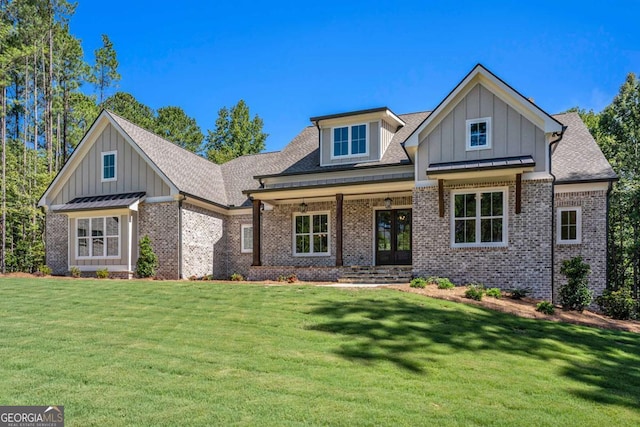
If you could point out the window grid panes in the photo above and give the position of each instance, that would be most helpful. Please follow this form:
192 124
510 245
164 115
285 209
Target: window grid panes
358 139
478 134
247 238
98 237
341 141
350 140
109 166
311 234
569 226
478 218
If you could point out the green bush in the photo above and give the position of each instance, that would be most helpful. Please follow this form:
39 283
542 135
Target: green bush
418 282
518 293
575 295
545 307
148 260
474 292
444 283
102 273
237 277
494 292
45 270
75 272
618 304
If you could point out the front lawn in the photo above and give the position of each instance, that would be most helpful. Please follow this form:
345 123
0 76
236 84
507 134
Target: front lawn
124 353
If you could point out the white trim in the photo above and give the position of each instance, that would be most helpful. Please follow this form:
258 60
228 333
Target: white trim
427 183
130 239
311 234
115 166
470 122
587 186
350 154
578 239
89 237
243 228
532 176
505 217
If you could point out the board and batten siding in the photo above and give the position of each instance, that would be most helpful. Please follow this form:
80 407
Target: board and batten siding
511 133
133 172
373 141
124 239
386 134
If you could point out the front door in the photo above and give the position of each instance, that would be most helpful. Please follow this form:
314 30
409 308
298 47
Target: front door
393 237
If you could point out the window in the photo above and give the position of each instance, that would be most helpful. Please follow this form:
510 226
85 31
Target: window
479 133
569 225
246 238
350 141
311 234
479 219
98 237
109 166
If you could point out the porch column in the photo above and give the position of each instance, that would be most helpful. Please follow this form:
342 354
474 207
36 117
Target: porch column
339 199
518 193
256 233
441 198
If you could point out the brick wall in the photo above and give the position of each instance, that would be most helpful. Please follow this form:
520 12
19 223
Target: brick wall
161 222
238 262
56 242
525 262
593 248
204 242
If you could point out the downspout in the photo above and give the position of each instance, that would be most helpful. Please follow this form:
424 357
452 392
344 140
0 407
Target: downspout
553 212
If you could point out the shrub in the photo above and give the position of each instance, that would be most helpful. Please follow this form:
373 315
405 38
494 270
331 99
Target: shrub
618 304
237 277
45 270
519 293
474 292
102 273
418 282
193 277
545 307
282 278
575 295
148 260
75 272
292 278
494 292
444 283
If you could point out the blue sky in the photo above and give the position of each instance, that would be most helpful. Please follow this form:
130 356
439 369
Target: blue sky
293 60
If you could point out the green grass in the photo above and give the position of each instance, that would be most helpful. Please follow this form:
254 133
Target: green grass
126 353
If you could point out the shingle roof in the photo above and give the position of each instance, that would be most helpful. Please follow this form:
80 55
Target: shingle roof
189 172
577 156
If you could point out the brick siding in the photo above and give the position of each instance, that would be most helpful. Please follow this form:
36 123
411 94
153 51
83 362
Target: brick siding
237 262
204 243
57 243
161 222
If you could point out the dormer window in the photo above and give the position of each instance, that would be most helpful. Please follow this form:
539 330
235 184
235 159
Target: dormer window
109 166
350 141
479 134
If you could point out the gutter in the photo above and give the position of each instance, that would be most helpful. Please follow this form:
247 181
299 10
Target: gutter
553 212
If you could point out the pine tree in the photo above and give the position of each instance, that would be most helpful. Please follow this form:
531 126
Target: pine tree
148 260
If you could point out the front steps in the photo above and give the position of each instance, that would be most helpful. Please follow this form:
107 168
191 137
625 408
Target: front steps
376 274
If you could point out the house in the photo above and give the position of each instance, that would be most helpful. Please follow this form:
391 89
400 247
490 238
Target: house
487 187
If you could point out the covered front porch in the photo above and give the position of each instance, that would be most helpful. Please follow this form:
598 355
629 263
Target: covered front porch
350 233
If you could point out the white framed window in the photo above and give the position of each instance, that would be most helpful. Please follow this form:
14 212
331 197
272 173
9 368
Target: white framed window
569 225
350 141
311 234
479 133
479 218
109 166
246 238
98 237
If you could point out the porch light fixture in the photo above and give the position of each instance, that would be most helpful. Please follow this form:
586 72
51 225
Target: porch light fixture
387 202
303 207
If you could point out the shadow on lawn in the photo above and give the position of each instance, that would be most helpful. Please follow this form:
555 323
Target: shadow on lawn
409 334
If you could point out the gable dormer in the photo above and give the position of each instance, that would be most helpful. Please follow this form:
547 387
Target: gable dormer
356 137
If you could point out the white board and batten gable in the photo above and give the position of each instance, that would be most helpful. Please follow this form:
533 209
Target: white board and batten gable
107 161
483 127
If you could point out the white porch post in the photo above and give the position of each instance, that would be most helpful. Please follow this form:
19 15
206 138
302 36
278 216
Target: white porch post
130 241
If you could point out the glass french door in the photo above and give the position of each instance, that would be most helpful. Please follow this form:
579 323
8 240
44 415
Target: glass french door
393 237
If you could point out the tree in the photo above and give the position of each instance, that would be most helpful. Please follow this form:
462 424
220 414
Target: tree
173 124
619 137
105 71
148 260
235 134
125 105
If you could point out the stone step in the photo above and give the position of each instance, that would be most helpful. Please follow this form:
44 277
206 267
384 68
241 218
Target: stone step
376 274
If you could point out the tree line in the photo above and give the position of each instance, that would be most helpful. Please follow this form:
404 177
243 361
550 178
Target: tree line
50 96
